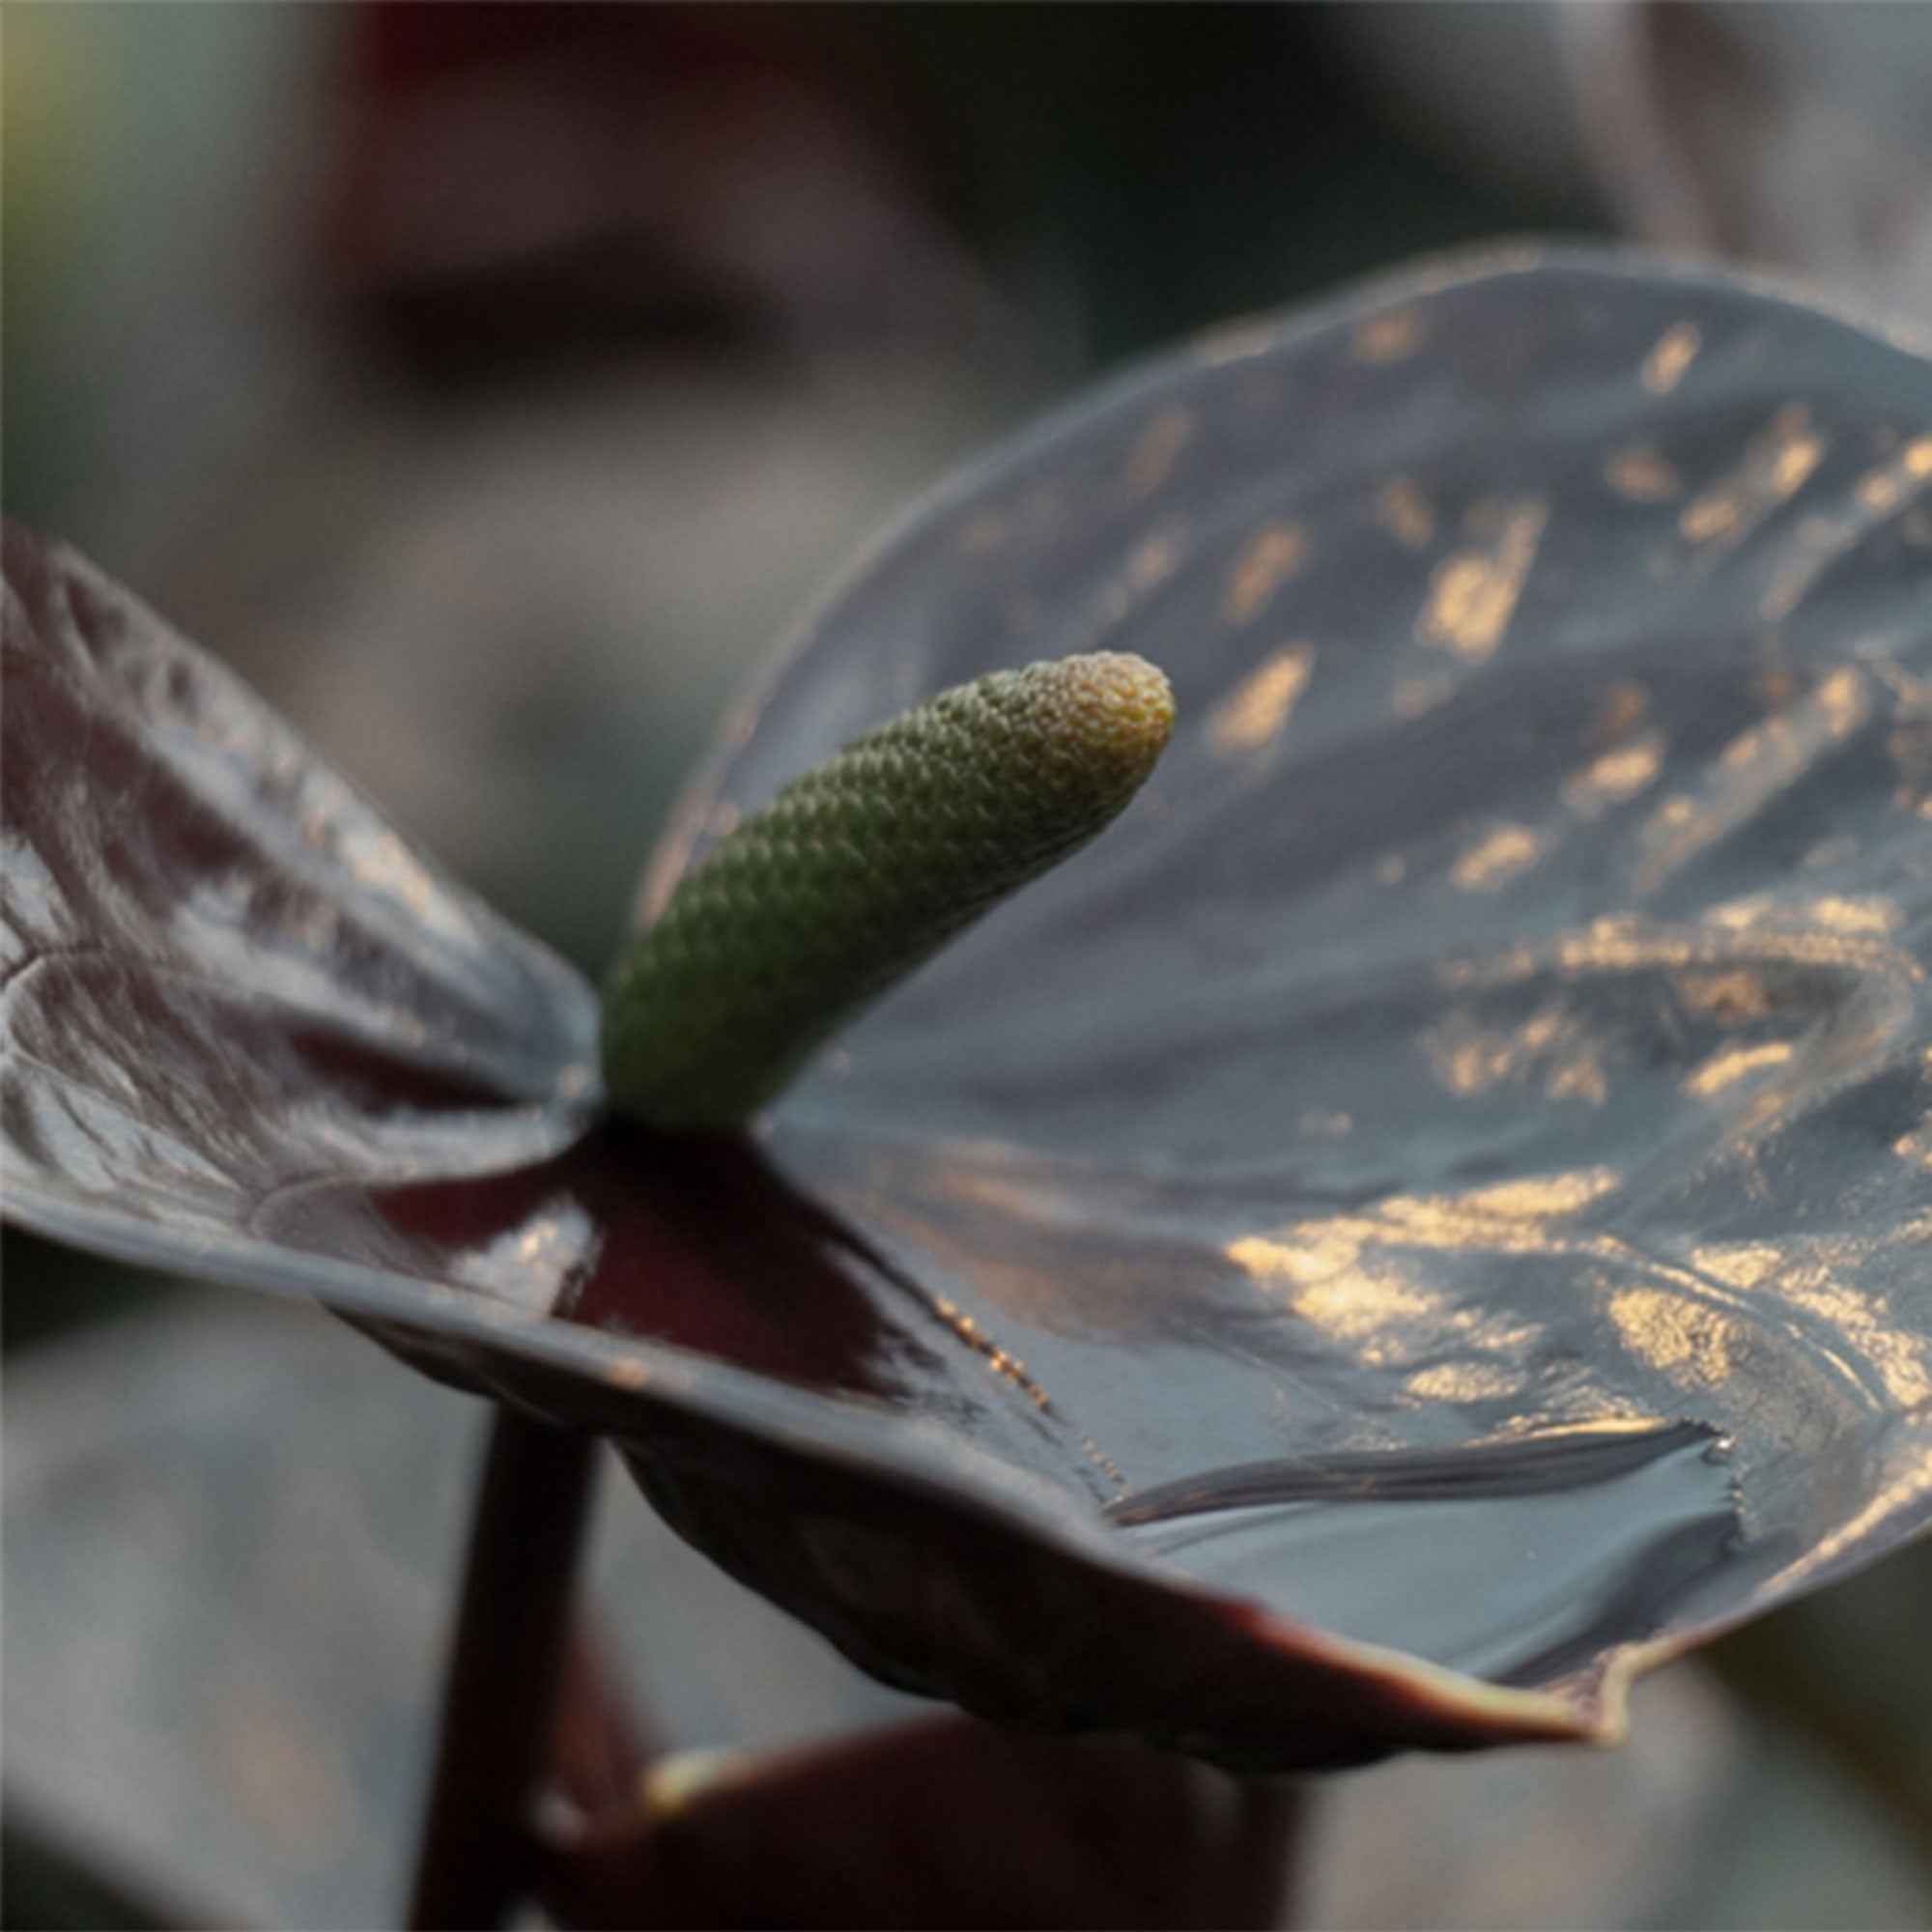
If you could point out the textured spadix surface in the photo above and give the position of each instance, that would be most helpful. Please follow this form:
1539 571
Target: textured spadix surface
1432 1212
861 868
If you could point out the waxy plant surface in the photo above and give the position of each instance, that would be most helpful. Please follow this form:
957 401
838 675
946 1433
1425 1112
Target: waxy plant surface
1432 1212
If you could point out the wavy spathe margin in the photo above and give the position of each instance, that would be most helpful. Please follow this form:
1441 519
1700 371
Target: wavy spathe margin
1470 1115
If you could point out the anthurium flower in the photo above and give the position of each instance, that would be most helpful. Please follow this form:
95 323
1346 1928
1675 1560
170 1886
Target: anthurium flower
1431 1215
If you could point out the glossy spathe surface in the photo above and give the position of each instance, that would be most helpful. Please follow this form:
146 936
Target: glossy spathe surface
1509 1013
1468 1118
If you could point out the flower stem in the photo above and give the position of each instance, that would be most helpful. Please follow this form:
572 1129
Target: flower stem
477 1851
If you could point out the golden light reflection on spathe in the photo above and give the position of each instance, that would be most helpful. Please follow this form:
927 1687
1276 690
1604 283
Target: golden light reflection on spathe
1154 558
1615 777
1272 555
1538 1197
1473 594
1495 858
1343 1275
1738 1263
1843 702
1510 1217
1740 915
1618 1415
1325 1285
1012 1371
1513 1216
1148 564
1357 1304
1886 494
1691 1344
1880 490
1756 767
1619 943
1839 912
1405 513
1775 466
1580 1078
1253 714
1733 997
1469 1055
1463 1382
1808 1275
1153 455
1308 1260
1896 1358
1640 474
1739 1063
1915 1145
1552 1046
1670 355
1388 338
1620 709
1377 1314
1009 1367
1894 484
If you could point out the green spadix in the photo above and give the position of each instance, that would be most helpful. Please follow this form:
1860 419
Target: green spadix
861 870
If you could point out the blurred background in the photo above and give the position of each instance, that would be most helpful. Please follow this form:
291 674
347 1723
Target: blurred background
492 385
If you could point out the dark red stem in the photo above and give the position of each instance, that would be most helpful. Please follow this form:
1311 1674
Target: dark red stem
476 1853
